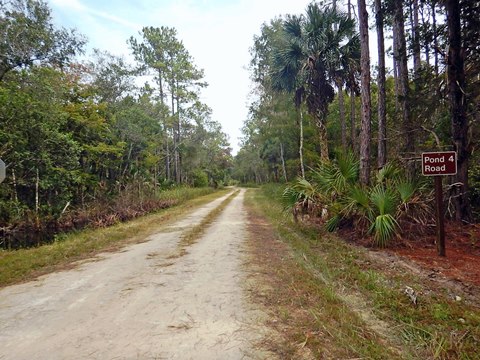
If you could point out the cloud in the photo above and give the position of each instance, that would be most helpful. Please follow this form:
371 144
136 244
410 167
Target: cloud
77 6
217 33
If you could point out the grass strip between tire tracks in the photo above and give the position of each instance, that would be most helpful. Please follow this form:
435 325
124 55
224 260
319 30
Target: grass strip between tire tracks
196 232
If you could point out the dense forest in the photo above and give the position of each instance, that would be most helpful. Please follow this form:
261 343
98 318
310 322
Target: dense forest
347 128
88 135
346 97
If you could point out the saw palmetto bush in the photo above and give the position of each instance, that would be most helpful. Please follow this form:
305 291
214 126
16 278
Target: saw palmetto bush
301 197
383 223
333 191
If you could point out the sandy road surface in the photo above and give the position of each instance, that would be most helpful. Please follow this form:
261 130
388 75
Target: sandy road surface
139 303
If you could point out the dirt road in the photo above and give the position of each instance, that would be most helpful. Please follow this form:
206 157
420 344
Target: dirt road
141 303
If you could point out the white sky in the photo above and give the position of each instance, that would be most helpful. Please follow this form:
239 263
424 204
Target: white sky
217 33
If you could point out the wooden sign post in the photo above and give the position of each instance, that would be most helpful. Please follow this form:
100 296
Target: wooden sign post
438 164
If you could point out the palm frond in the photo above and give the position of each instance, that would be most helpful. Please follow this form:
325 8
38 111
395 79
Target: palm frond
336 177
358 202
290 198
390 171
384 227
292 26
324 176
384 200
306 189
406 190
345 26
348 166
332 223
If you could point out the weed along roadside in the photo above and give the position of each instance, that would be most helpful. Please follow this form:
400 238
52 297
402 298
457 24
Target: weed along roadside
329 299
122 208
27 264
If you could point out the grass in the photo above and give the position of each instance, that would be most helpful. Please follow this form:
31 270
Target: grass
27 264
308 313
196 232
191 236
360 305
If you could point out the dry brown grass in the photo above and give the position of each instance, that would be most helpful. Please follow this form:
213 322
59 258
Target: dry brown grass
308 320
191 236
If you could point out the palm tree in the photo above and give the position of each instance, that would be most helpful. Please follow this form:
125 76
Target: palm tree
308 58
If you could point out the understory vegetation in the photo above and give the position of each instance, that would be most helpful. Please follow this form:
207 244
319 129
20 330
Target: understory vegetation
328 298
333 194
64 249
128 205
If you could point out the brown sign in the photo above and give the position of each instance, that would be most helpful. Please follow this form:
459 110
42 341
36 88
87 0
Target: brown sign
439 163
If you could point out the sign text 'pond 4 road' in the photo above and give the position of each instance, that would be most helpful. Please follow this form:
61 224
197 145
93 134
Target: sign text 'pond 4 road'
439 163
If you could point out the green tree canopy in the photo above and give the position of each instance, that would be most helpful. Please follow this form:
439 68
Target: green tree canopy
28 36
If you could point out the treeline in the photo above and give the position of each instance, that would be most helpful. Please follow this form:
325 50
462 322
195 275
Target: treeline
76 135
319 94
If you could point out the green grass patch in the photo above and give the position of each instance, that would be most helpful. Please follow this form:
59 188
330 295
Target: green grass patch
436 328
26 264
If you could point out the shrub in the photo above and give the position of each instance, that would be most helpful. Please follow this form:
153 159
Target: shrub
199 178
333 191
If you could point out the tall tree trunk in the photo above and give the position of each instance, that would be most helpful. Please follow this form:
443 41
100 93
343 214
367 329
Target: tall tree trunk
416 39
456 92
167 157
15 193
319 120
284 168
176 170
155 178
353 122
349 9
408 135
435 37
160 86
37 201
382 109
37 197
352 99
300 147
341 107
365 93
178 131
426 43
174 138
167 146
395 70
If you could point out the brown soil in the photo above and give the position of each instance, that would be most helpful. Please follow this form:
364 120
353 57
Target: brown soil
462 260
